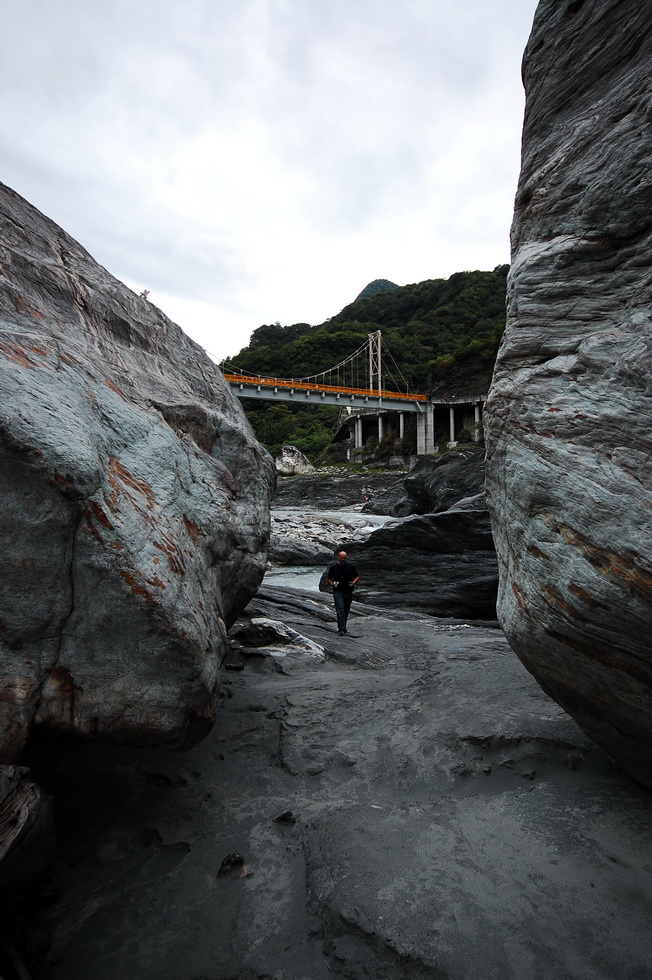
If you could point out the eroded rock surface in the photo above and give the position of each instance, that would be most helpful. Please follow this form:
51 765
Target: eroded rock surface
133 502
569 415
413 807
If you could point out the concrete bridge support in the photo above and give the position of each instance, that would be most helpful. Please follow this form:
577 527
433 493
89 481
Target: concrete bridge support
357 440
451 426
426 431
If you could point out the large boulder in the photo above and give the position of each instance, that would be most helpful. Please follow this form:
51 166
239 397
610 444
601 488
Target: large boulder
134 506
442 564
569 415
437 483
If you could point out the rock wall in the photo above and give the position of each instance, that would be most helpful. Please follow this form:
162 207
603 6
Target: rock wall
134 503
568 420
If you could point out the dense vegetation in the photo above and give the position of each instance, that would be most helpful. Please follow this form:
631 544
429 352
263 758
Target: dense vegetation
432 331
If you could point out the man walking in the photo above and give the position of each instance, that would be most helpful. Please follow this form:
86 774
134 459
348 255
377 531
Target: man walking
342 576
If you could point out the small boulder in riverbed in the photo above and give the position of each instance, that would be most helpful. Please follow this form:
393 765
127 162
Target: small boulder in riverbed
292 462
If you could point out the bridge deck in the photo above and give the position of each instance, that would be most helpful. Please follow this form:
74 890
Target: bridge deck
281 389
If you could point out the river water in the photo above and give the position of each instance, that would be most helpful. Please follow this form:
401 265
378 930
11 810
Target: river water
301 577
331 524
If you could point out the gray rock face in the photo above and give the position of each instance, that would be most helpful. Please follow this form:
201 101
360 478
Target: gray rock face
291 461
134 501
568 419
434 485
444 564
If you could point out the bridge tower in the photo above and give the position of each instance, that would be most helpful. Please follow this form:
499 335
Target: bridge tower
375 361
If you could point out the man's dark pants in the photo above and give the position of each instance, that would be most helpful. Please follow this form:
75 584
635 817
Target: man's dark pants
342 605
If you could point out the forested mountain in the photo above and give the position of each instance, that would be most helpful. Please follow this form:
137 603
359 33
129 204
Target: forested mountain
439 334
376 287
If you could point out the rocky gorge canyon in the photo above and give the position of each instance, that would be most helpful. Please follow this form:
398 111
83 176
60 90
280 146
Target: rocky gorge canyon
408 801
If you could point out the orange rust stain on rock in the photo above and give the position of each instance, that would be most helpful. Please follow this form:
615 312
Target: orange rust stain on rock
18 355
91 526
120 475
172 554
113 386
584 596
532 548
555 601
65 694
519 595
63 480
68 359
62 677
608 562
136 588
551 408
98 513
192 529
21 305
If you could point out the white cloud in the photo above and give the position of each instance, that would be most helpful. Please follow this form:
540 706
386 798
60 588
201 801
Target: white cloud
265 159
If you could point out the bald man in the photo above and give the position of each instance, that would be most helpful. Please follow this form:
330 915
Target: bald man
342 576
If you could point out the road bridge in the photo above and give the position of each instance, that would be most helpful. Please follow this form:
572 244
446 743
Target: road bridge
371 412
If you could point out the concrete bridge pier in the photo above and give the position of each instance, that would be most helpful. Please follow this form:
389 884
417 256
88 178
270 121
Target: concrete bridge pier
451 426
426 430
357 433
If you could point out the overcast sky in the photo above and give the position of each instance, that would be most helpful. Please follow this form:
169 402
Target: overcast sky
249 161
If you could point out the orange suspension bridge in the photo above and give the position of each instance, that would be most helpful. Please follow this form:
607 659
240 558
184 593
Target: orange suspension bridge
356 384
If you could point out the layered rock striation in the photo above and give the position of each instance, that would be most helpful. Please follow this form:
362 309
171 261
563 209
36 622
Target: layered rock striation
568 420
134 504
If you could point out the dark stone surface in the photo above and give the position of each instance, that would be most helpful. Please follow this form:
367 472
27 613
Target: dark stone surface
27 843
447 820
444 564
569 416
437 483
451 532
338 490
